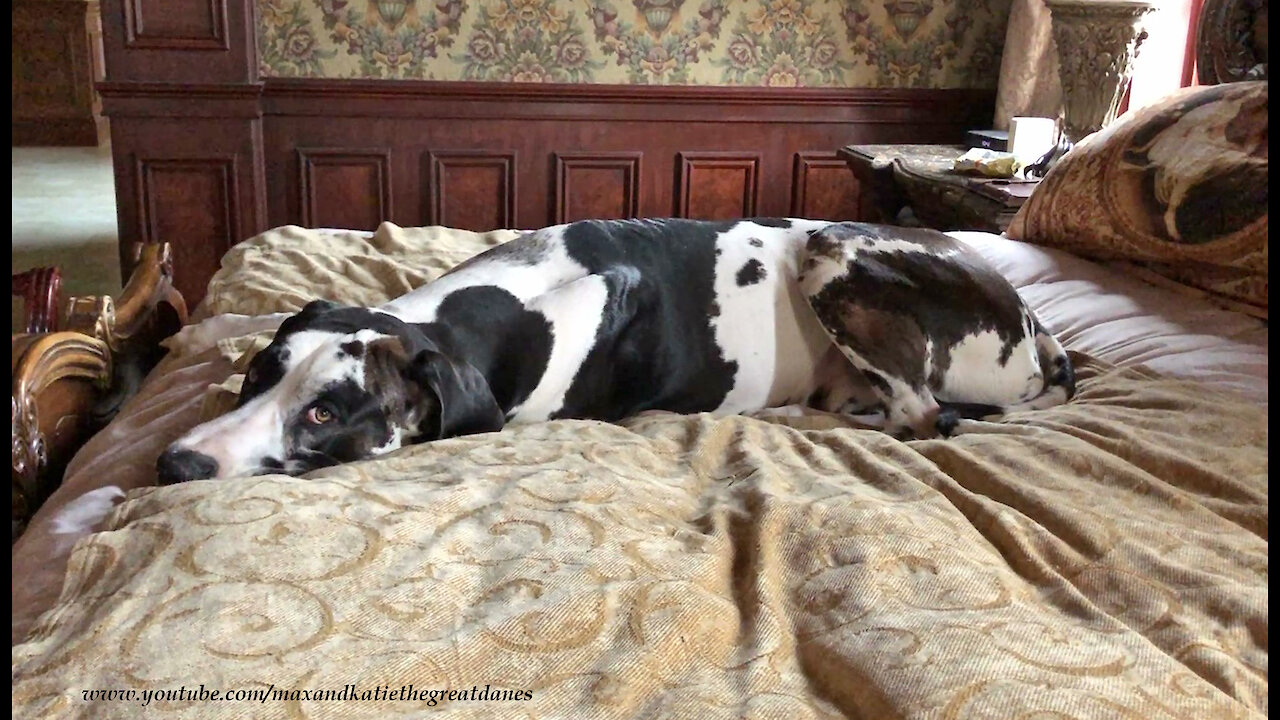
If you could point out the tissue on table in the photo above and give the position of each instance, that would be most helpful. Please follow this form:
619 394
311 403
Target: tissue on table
990 163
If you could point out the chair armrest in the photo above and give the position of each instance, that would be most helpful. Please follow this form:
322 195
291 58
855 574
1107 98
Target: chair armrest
67 385
41 293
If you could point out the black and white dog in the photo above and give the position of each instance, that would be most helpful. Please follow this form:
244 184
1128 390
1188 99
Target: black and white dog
606 319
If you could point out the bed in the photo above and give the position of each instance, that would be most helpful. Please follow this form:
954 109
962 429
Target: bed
1106 558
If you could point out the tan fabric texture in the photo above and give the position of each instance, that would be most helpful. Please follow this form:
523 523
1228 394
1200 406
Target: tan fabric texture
1178 187
1103 559
1097 560
285 268
1091 309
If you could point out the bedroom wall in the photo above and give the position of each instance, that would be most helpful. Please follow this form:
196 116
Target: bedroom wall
775 43
517 113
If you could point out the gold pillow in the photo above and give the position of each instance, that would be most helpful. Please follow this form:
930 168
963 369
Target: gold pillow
1178 190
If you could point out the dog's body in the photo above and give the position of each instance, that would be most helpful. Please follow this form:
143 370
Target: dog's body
606 319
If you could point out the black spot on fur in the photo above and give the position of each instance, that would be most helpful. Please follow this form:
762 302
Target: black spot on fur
661 351
354 348
756 242
265 370
970 411
491 329
771 222
751 273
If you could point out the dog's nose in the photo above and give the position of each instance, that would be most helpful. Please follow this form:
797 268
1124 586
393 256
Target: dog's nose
177 465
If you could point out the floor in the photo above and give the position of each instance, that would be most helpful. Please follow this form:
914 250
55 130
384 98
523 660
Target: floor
64 214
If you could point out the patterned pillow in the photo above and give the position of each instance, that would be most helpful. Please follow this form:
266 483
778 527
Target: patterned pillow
1177 190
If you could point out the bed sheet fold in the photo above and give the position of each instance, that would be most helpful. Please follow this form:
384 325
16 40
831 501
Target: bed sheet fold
1103 559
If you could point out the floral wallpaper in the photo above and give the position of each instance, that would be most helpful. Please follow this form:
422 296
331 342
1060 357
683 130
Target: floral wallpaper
782 43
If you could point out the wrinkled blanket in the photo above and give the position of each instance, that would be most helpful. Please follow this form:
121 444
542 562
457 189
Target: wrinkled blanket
1103 559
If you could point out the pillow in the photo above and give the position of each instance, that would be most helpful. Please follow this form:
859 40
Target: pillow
1178 190
283 269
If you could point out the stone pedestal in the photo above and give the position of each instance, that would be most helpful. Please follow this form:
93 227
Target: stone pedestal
1097 42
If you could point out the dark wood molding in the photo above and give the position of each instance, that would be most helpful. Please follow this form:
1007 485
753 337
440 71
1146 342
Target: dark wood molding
201 218
737 199
503 192
646 103
57 132
345 213
481 155
178 100
57 47
313 97
623 94
838 200
628 164
180 41
137 36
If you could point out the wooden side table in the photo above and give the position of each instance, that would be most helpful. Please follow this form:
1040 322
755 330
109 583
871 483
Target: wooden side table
919 177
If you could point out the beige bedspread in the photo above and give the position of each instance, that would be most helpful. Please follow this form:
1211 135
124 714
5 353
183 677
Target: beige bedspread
1104 559
1100 560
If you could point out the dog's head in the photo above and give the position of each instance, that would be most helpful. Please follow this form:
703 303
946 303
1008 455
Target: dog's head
336 384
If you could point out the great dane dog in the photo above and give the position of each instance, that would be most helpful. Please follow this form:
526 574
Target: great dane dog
606 319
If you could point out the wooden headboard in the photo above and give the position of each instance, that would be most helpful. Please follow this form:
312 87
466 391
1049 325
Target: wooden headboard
208 154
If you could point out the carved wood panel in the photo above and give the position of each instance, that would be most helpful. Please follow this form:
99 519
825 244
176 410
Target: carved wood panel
48 73
344 188
471 189
52 55
601 185
176 25
717 185
191 204
823 188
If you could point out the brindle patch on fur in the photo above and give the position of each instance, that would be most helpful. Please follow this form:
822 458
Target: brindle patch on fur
887 340
404 403
906 296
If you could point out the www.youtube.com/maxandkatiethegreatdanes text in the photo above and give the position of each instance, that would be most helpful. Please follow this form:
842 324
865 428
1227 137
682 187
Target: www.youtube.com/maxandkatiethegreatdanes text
349 693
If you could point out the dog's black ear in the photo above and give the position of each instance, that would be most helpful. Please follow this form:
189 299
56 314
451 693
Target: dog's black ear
318 306
467 405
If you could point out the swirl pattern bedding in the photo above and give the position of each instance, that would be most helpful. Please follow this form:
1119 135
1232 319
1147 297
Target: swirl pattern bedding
1106 558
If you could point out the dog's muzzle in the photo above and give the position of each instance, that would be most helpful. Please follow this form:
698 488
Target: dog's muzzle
176 465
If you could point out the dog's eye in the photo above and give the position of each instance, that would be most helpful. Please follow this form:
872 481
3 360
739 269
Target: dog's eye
318 415
252 377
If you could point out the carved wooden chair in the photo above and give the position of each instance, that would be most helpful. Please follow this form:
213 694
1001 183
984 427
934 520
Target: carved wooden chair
41 293
74 367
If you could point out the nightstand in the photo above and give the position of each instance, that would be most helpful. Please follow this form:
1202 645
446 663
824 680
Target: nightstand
919 178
